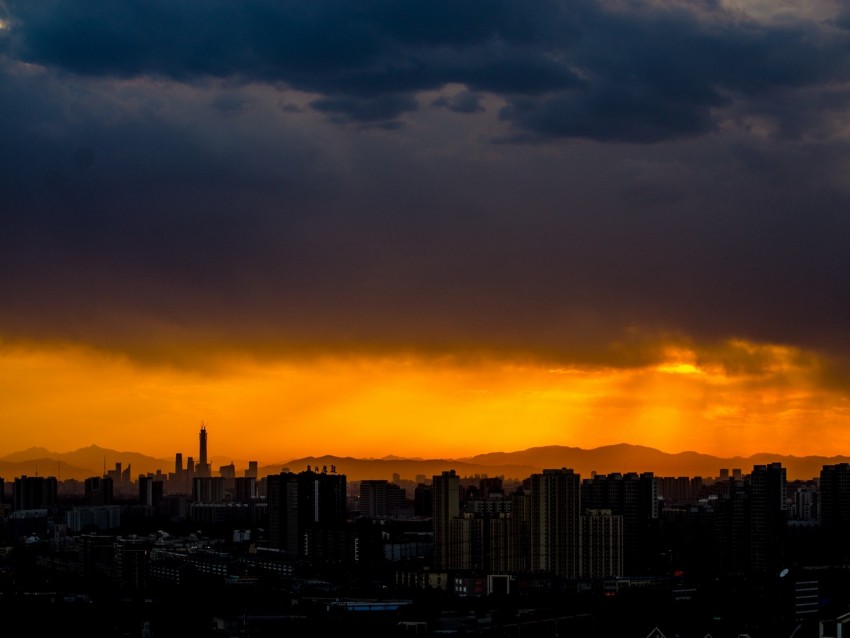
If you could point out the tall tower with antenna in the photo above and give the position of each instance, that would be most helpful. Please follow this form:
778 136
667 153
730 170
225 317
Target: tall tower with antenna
202 468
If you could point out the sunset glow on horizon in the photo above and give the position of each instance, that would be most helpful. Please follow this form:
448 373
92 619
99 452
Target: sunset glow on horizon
433 407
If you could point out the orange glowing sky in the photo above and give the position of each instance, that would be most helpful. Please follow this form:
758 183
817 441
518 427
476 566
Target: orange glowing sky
770 400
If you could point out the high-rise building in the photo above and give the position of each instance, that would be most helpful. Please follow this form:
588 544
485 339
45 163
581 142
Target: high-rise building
179 481
634 497
202 436
282 497
208 489
202 467
423 500
465 547
729 520
150 491
480 536
98 490
805 507
445 498
749 523
34 492
767 517
520 530
499 557
228 473
555 530
835 510
303 503
675 489
373 498
245 489
379 498
602 544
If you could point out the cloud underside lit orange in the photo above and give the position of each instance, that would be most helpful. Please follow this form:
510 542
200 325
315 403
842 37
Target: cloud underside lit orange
736 399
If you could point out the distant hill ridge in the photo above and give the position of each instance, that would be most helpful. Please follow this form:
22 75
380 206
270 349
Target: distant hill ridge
92 460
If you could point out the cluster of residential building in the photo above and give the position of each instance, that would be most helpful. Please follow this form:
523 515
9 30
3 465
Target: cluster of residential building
467 534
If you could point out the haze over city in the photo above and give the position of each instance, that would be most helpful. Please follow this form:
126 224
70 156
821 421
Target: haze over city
424 229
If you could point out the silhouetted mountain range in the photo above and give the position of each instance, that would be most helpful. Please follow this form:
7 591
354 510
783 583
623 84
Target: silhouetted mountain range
92 460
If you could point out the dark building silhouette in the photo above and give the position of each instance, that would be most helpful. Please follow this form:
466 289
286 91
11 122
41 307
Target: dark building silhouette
634 497
835 511
739 529
422 500
767 517
673 490
480 536
282 497
189 478
245 489
208 489
805 500
302 505
445 495
729 520
228 473
98 491
379 498
150 491
202 467
491 486
601 544
555 525
34 492
120 477
520 526
179 482
690 542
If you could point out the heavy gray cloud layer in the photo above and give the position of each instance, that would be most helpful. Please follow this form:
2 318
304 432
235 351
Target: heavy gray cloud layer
547 176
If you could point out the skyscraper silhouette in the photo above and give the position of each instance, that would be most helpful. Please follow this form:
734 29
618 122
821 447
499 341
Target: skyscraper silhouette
835 510
446 507
202 467
303 504
555 525
767 517
634 497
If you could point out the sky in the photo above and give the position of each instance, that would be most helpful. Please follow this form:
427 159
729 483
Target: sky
427 229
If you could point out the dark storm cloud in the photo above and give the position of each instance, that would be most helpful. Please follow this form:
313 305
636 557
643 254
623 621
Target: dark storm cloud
367 109
616 114
232 103
112 200
174 172
463 102
605 71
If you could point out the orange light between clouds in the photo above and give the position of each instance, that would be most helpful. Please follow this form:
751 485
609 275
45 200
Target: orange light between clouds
63 398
